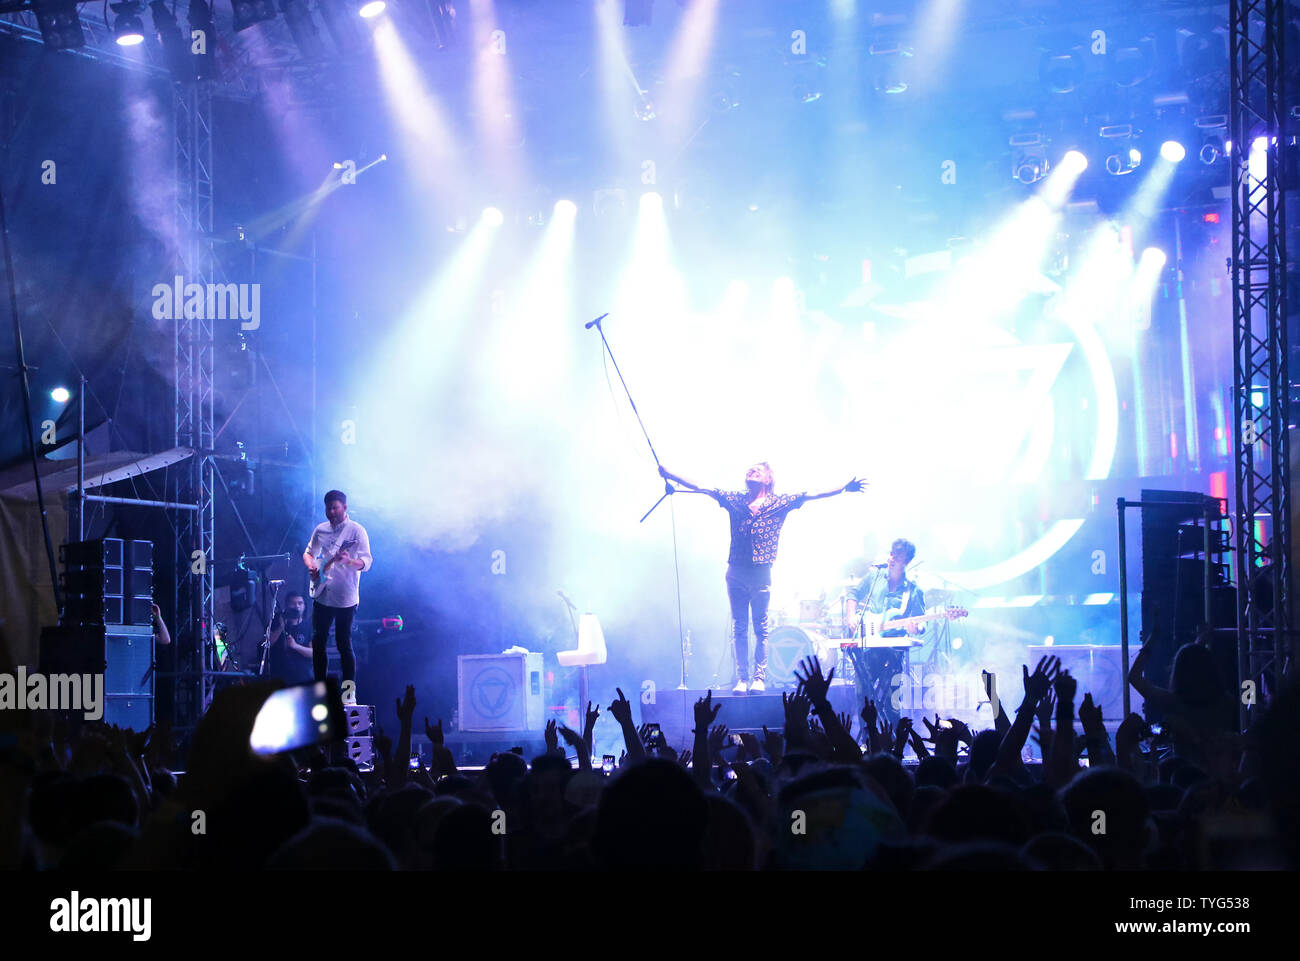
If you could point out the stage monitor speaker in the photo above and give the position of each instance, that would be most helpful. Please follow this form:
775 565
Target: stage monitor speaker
362 751
1096 667
500 692
360 718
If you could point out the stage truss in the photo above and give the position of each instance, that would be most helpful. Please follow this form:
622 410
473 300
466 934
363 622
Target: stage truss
1261 385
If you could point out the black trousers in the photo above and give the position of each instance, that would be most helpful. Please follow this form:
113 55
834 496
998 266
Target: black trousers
322 616
880 673
749 589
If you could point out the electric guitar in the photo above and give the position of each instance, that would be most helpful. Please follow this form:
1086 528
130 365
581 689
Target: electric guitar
320 577
871 627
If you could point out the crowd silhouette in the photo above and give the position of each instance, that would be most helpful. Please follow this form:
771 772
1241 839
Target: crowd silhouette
827 791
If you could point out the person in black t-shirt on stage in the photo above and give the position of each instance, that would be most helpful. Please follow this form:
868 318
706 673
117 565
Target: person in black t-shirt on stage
290 640
757 515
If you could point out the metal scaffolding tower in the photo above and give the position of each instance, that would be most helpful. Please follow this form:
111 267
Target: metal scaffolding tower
194 363
1258 118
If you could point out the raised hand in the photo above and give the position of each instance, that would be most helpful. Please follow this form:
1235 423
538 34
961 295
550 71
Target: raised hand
868 714
573 739
593 712
717 738
853 486
753 750
551 737
814 684
1066 686
796 706
1089 714
406 707
621 708
1038 683
434 734
772 744
706 711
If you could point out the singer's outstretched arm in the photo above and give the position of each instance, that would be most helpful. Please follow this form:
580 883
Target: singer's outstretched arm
852 486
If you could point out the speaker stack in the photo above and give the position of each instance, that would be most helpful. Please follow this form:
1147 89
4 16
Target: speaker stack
107 625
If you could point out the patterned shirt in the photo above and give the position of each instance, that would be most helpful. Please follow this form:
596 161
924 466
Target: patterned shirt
754 536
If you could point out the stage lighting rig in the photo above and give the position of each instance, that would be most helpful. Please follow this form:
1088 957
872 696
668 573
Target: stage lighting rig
60 25
249 12
128 30
175 49
1122 157
1029 162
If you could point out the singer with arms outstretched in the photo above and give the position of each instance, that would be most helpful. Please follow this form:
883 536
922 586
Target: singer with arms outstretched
757 515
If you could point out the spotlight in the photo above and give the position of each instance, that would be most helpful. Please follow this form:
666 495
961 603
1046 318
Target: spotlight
60 395
1075 161
493 217
60 25
248 12
1155 256
369 9
1212 150
644 109
1123 163
1029 169
636 13
1173 151
1061 72
651 200
128 30
566 208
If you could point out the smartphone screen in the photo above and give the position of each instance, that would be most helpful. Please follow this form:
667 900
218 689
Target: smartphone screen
654 737
298 717
607 764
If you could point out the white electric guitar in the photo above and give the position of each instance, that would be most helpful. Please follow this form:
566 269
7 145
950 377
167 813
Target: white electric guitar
871 627
320 577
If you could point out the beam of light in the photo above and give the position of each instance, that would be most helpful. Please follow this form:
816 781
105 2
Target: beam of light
60 395
493 217
686 65
496 112
431 151
531 359
372 9
1143 208
995 278
1022 563
936 26
844 9
619 88
302 210
1058 186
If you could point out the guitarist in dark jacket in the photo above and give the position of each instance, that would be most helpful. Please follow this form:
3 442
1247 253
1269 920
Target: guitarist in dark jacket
887 592
339 550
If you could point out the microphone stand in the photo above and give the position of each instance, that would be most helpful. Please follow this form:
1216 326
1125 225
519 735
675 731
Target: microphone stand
266 637
669 490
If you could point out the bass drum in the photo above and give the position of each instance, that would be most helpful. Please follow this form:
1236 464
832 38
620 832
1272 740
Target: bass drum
788 645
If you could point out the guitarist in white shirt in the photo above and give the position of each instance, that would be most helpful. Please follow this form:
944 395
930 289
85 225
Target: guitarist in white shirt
339 550
887 591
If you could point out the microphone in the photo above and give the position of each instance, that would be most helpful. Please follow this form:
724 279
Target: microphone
596 321
277 583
